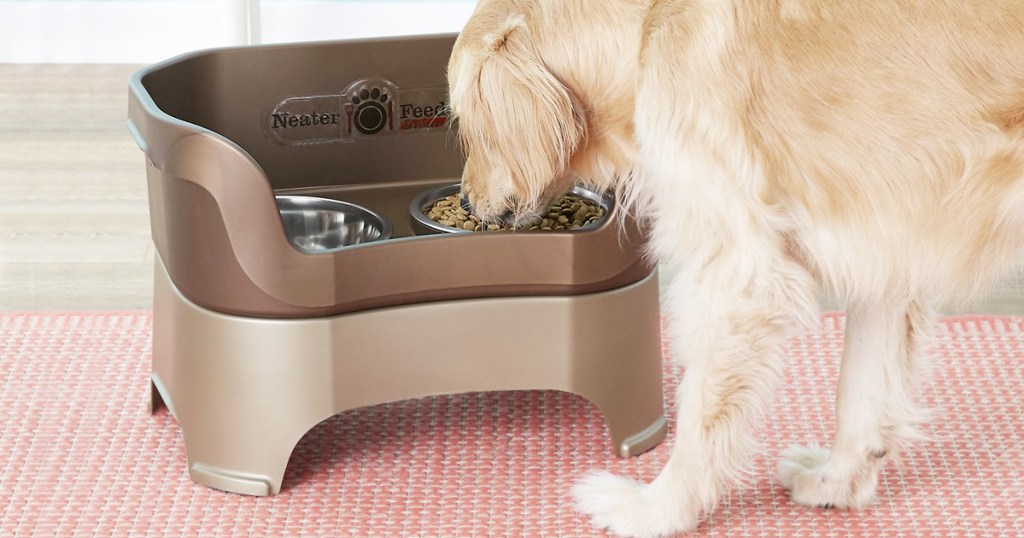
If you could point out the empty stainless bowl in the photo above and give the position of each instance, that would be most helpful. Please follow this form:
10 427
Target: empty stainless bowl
421 205
317 225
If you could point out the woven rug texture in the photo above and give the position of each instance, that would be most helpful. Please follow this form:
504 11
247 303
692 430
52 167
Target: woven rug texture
81 456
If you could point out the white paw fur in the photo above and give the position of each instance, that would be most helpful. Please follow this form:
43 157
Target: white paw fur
630 508
813 480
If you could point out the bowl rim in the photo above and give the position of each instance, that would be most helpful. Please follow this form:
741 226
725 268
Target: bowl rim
430 196
386 228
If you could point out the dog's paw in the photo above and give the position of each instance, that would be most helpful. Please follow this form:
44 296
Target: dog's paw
629 508
812 480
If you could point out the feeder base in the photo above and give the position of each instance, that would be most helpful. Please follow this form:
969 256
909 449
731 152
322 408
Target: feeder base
245 390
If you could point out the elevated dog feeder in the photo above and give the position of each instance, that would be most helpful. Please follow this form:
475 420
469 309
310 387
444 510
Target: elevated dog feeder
258 337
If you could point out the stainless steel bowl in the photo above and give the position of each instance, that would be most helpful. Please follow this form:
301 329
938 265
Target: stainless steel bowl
422 203
316 225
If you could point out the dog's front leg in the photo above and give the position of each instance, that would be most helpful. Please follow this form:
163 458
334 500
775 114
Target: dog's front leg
731 317
875 412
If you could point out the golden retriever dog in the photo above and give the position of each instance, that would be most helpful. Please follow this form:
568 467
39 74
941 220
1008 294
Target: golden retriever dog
781 149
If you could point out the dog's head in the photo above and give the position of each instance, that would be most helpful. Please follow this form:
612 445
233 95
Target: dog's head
518 123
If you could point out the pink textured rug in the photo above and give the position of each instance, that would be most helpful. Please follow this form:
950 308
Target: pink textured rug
82 457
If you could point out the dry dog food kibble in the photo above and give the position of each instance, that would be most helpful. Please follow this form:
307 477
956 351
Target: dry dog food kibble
570 212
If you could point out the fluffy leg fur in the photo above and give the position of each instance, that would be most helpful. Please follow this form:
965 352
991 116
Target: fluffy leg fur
735 300
875 411
733 345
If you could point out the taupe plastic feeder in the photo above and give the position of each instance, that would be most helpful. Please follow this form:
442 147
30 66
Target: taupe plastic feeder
257 337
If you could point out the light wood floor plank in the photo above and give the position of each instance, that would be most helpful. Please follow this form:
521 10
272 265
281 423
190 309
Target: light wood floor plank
74 218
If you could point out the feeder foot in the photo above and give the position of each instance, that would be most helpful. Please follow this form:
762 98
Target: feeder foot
233 481
644 440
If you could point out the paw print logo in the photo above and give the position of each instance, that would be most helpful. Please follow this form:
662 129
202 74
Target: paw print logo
369 110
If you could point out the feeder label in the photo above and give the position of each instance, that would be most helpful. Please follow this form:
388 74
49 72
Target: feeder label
306 119
366 108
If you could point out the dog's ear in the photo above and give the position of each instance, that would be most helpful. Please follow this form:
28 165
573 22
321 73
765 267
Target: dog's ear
523 115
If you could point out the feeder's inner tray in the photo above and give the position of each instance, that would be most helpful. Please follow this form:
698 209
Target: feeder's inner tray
389 206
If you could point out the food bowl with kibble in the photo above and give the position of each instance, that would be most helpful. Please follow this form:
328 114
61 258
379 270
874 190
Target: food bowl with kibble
298 273
439 210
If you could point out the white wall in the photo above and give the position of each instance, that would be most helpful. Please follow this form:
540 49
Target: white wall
147 31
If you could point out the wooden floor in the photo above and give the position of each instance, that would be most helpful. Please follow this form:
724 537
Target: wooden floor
74 225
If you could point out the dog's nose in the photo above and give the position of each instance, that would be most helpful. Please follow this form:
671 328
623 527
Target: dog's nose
464 203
